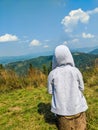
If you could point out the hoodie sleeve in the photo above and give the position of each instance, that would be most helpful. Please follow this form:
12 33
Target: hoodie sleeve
80 80
50 78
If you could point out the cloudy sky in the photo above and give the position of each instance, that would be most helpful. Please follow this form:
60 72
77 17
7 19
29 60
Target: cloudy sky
35 26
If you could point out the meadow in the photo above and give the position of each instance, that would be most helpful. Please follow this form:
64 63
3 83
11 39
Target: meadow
26 109
25 105
29 109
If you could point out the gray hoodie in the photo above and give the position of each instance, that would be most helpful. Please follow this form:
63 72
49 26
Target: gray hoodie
65 83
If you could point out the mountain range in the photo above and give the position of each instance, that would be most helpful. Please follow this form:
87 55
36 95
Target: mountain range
8 59
82 61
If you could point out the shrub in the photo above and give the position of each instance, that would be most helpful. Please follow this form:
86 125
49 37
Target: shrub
9 80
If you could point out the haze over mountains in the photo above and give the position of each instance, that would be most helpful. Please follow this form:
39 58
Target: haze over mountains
9 59
86 49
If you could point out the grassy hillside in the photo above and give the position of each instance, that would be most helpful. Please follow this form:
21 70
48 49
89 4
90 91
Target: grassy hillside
26 109
29 109
92 113
25 103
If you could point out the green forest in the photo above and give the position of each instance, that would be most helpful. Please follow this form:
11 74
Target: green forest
24 101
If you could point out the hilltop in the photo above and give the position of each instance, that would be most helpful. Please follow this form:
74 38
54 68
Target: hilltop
29 109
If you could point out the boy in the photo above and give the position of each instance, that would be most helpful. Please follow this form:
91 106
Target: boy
65 83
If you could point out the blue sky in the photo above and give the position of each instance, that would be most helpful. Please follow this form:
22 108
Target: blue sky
35 26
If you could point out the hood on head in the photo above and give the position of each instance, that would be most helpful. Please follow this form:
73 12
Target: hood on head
62 56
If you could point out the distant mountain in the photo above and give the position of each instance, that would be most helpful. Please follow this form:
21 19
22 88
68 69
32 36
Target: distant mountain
8 59
84 50
82 60
95 51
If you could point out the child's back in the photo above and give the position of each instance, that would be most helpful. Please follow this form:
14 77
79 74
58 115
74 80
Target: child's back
65 83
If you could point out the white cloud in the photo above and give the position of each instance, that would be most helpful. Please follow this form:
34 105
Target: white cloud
73 18
8 38
65 42
35 42
94 11
46 46
76 16
84 35
75 40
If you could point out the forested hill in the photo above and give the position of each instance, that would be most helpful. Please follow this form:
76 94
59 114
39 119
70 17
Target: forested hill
21 67
82 60
95 51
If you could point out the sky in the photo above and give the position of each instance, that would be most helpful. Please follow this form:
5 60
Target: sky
38 26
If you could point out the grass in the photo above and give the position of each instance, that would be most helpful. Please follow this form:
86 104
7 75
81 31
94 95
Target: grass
29 109
91 94
26 109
